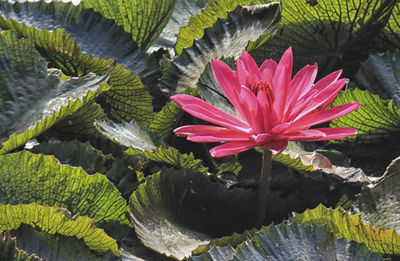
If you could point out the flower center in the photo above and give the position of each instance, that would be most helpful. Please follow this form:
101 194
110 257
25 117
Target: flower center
264 87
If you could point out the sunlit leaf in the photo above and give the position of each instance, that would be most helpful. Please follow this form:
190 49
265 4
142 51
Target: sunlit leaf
143 19
390 37
55 221
336 34
83 155
227 38
128 98
209 15
26 177
183 11
33 100
351 228
377 122
93 33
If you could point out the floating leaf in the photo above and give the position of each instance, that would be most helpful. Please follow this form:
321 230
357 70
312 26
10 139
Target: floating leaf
380 74
93 33
351 228
183 11
128 98
209 15
390 37
291 242
26 177
144 20
227 38
32 100
337 34
9 250
171 156
55 221
377 123
380 205
83 155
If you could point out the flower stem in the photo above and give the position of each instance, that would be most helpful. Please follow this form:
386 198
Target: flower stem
263 187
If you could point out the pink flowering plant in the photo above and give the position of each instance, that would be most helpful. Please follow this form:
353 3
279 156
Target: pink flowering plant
199 130
271 107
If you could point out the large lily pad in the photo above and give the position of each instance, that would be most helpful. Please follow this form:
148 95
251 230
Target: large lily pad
377 122
183 11
93 33
83 155
33 100
291 242
27 177
144 20
10 251
337 34
351 228
227 38
53 220
380 205
62 51
206 18
380 74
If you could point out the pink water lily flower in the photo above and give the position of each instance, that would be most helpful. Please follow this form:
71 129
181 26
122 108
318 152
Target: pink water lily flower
271 107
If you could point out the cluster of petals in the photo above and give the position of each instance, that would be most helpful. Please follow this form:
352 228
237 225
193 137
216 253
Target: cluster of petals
271 107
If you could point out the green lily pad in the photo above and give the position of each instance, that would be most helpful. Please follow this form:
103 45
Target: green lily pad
9 250
377 121
33 100
227 38
53 220
380 204
26 177
351 228
83 155
291 242
336 34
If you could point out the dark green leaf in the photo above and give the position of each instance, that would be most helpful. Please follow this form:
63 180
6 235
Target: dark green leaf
380 204
227 38
380 74
9 250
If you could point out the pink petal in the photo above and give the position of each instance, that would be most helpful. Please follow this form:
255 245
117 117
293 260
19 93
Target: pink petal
301 84
227 80
267 70
318 100
202 110
281 81
336 133
231 148
324 116
266 110
327 80
206 133
252 110
305 135
276 146
251 66
241 72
